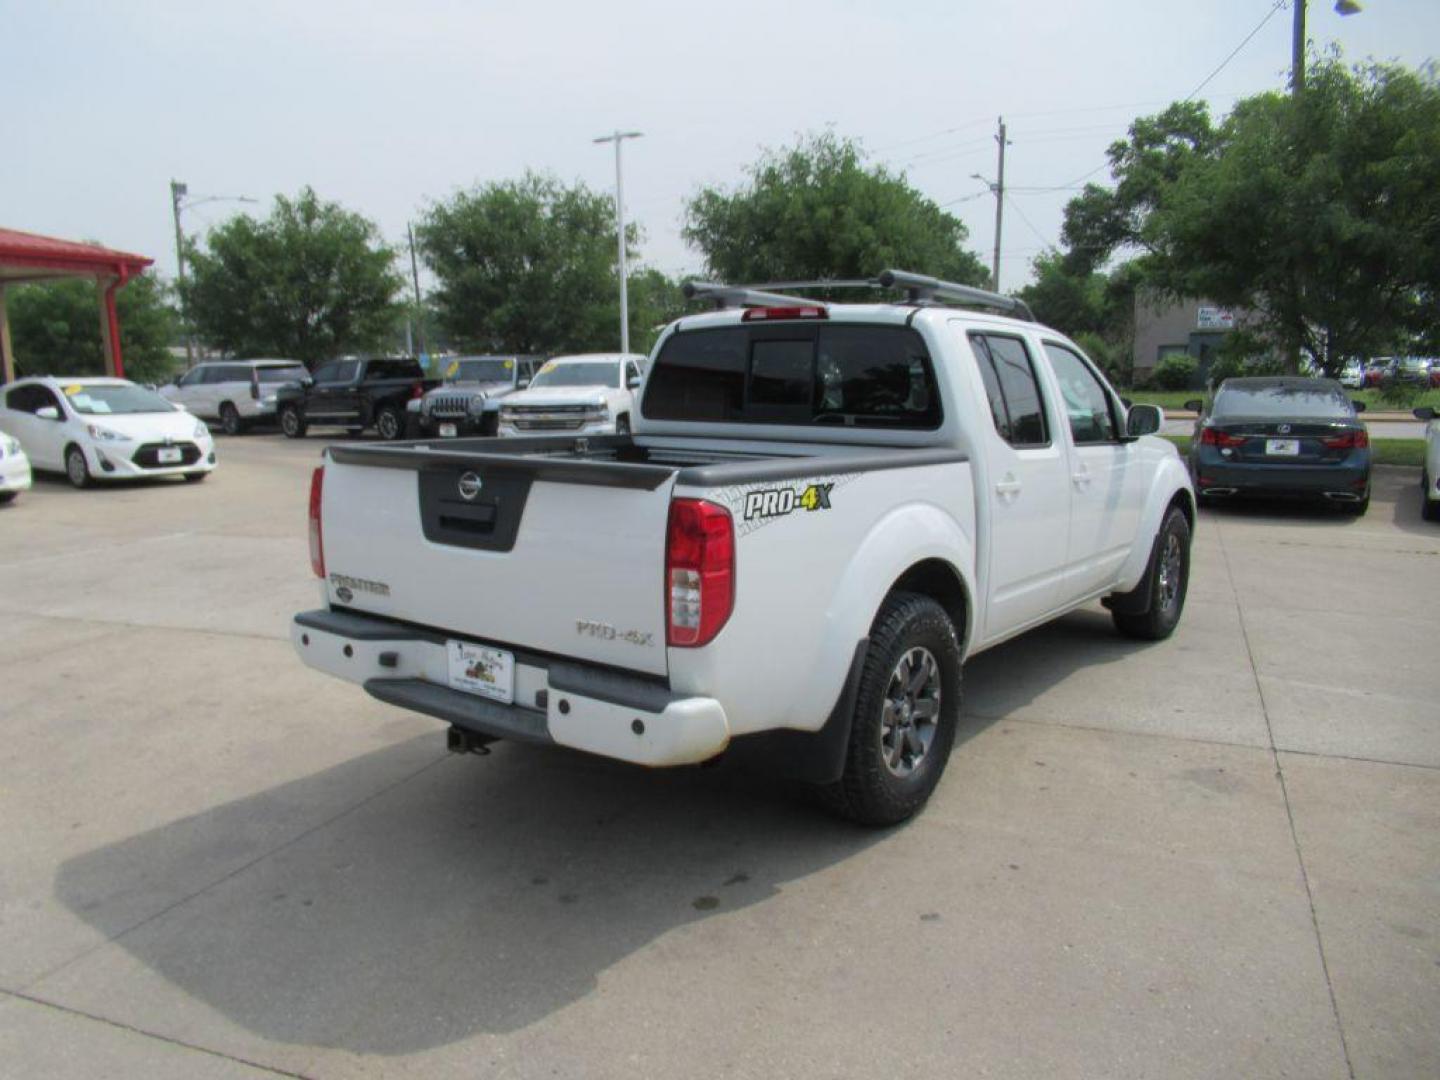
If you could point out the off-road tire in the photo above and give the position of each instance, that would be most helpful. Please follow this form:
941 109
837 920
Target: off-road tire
292 422
1429 508
230 421
390 424
1164 605
77 469
868 792
7 497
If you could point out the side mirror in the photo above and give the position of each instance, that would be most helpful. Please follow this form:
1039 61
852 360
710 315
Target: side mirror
523 384
1195 405
48 412
1359 405
1144 420
179 406
1424 412
634 384
307 380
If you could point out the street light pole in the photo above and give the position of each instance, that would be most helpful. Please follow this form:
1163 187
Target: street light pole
178 191
617 138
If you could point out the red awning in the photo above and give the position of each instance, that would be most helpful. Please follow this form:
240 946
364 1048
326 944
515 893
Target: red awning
26 256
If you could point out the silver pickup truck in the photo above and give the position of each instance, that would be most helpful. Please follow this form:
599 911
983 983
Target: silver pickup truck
468 401
821 511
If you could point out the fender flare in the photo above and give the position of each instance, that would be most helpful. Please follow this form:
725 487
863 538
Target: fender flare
1171 478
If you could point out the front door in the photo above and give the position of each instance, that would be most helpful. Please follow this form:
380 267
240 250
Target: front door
333 397
1106 475
1026 488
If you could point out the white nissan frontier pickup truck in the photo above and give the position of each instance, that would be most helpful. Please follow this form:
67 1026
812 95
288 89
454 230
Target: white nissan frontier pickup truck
821 511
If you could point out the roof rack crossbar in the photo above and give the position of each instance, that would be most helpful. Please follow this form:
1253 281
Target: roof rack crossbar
918 289
734 296
921 288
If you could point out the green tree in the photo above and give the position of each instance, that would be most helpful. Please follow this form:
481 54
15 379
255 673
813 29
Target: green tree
311 281
1318 215
526 266
815 210
655 302
55 328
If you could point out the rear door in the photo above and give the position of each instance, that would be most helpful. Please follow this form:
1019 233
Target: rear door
575 570
1107 476
1028 492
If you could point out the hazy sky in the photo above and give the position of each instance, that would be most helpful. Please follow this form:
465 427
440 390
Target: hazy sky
384 106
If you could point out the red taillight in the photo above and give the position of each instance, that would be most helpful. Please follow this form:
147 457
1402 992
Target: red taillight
1351 440
772 314
1215 437
317 539
699 572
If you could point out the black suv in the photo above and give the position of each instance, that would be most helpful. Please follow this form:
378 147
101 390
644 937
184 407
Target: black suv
354 394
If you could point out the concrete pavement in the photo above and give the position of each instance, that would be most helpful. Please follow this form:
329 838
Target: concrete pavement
1215 856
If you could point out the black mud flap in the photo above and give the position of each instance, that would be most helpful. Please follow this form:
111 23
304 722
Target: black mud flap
812 757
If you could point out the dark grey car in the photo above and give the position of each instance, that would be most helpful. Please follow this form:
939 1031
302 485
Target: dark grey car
1281 438
467 403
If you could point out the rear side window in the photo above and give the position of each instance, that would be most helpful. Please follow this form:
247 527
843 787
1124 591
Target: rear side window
1011 386
392 369
280 374
862 376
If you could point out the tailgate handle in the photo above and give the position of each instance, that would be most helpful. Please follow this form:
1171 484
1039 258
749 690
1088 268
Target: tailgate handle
481 520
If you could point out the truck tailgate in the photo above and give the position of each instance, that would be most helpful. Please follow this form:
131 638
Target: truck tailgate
509 557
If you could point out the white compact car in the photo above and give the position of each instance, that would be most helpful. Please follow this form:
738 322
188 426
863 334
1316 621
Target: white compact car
238 393
590 394
14 468
1430 474
104 429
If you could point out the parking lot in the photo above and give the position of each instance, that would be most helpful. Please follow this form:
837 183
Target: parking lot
1215 856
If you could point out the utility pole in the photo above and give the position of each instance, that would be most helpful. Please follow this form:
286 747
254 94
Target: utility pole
1297 50
177 192
997 187
617 138
415 279
999 206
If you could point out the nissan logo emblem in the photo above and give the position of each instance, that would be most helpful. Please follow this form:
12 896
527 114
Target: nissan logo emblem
470 486
1284 429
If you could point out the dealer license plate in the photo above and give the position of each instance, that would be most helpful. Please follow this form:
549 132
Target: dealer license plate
448 431
1282 446
477 669
169 455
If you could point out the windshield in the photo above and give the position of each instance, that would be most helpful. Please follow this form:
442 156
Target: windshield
114 399
590 373
480 371
281 374
1317 401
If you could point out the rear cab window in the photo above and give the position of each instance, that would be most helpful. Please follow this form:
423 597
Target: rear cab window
843 374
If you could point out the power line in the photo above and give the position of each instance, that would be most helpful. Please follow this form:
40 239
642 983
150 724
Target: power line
1236 51
1030 224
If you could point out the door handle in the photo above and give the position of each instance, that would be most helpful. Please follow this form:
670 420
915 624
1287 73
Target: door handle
1081 477
1007 487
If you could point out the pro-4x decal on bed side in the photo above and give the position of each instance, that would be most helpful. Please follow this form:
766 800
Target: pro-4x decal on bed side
777 502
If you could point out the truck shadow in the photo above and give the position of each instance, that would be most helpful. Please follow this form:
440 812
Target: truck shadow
480 895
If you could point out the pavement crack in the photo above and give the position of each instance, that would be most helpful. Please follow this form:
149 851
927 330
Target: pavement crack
132 1029
1289 810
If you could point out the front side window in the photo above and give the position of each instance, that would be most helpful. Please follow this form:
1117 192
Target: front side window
1087 405
849 375
1014 392
194 377
327 373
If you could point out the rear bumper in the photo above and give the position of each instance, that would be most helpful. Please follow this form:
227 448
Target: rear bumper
581 706
1345 481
